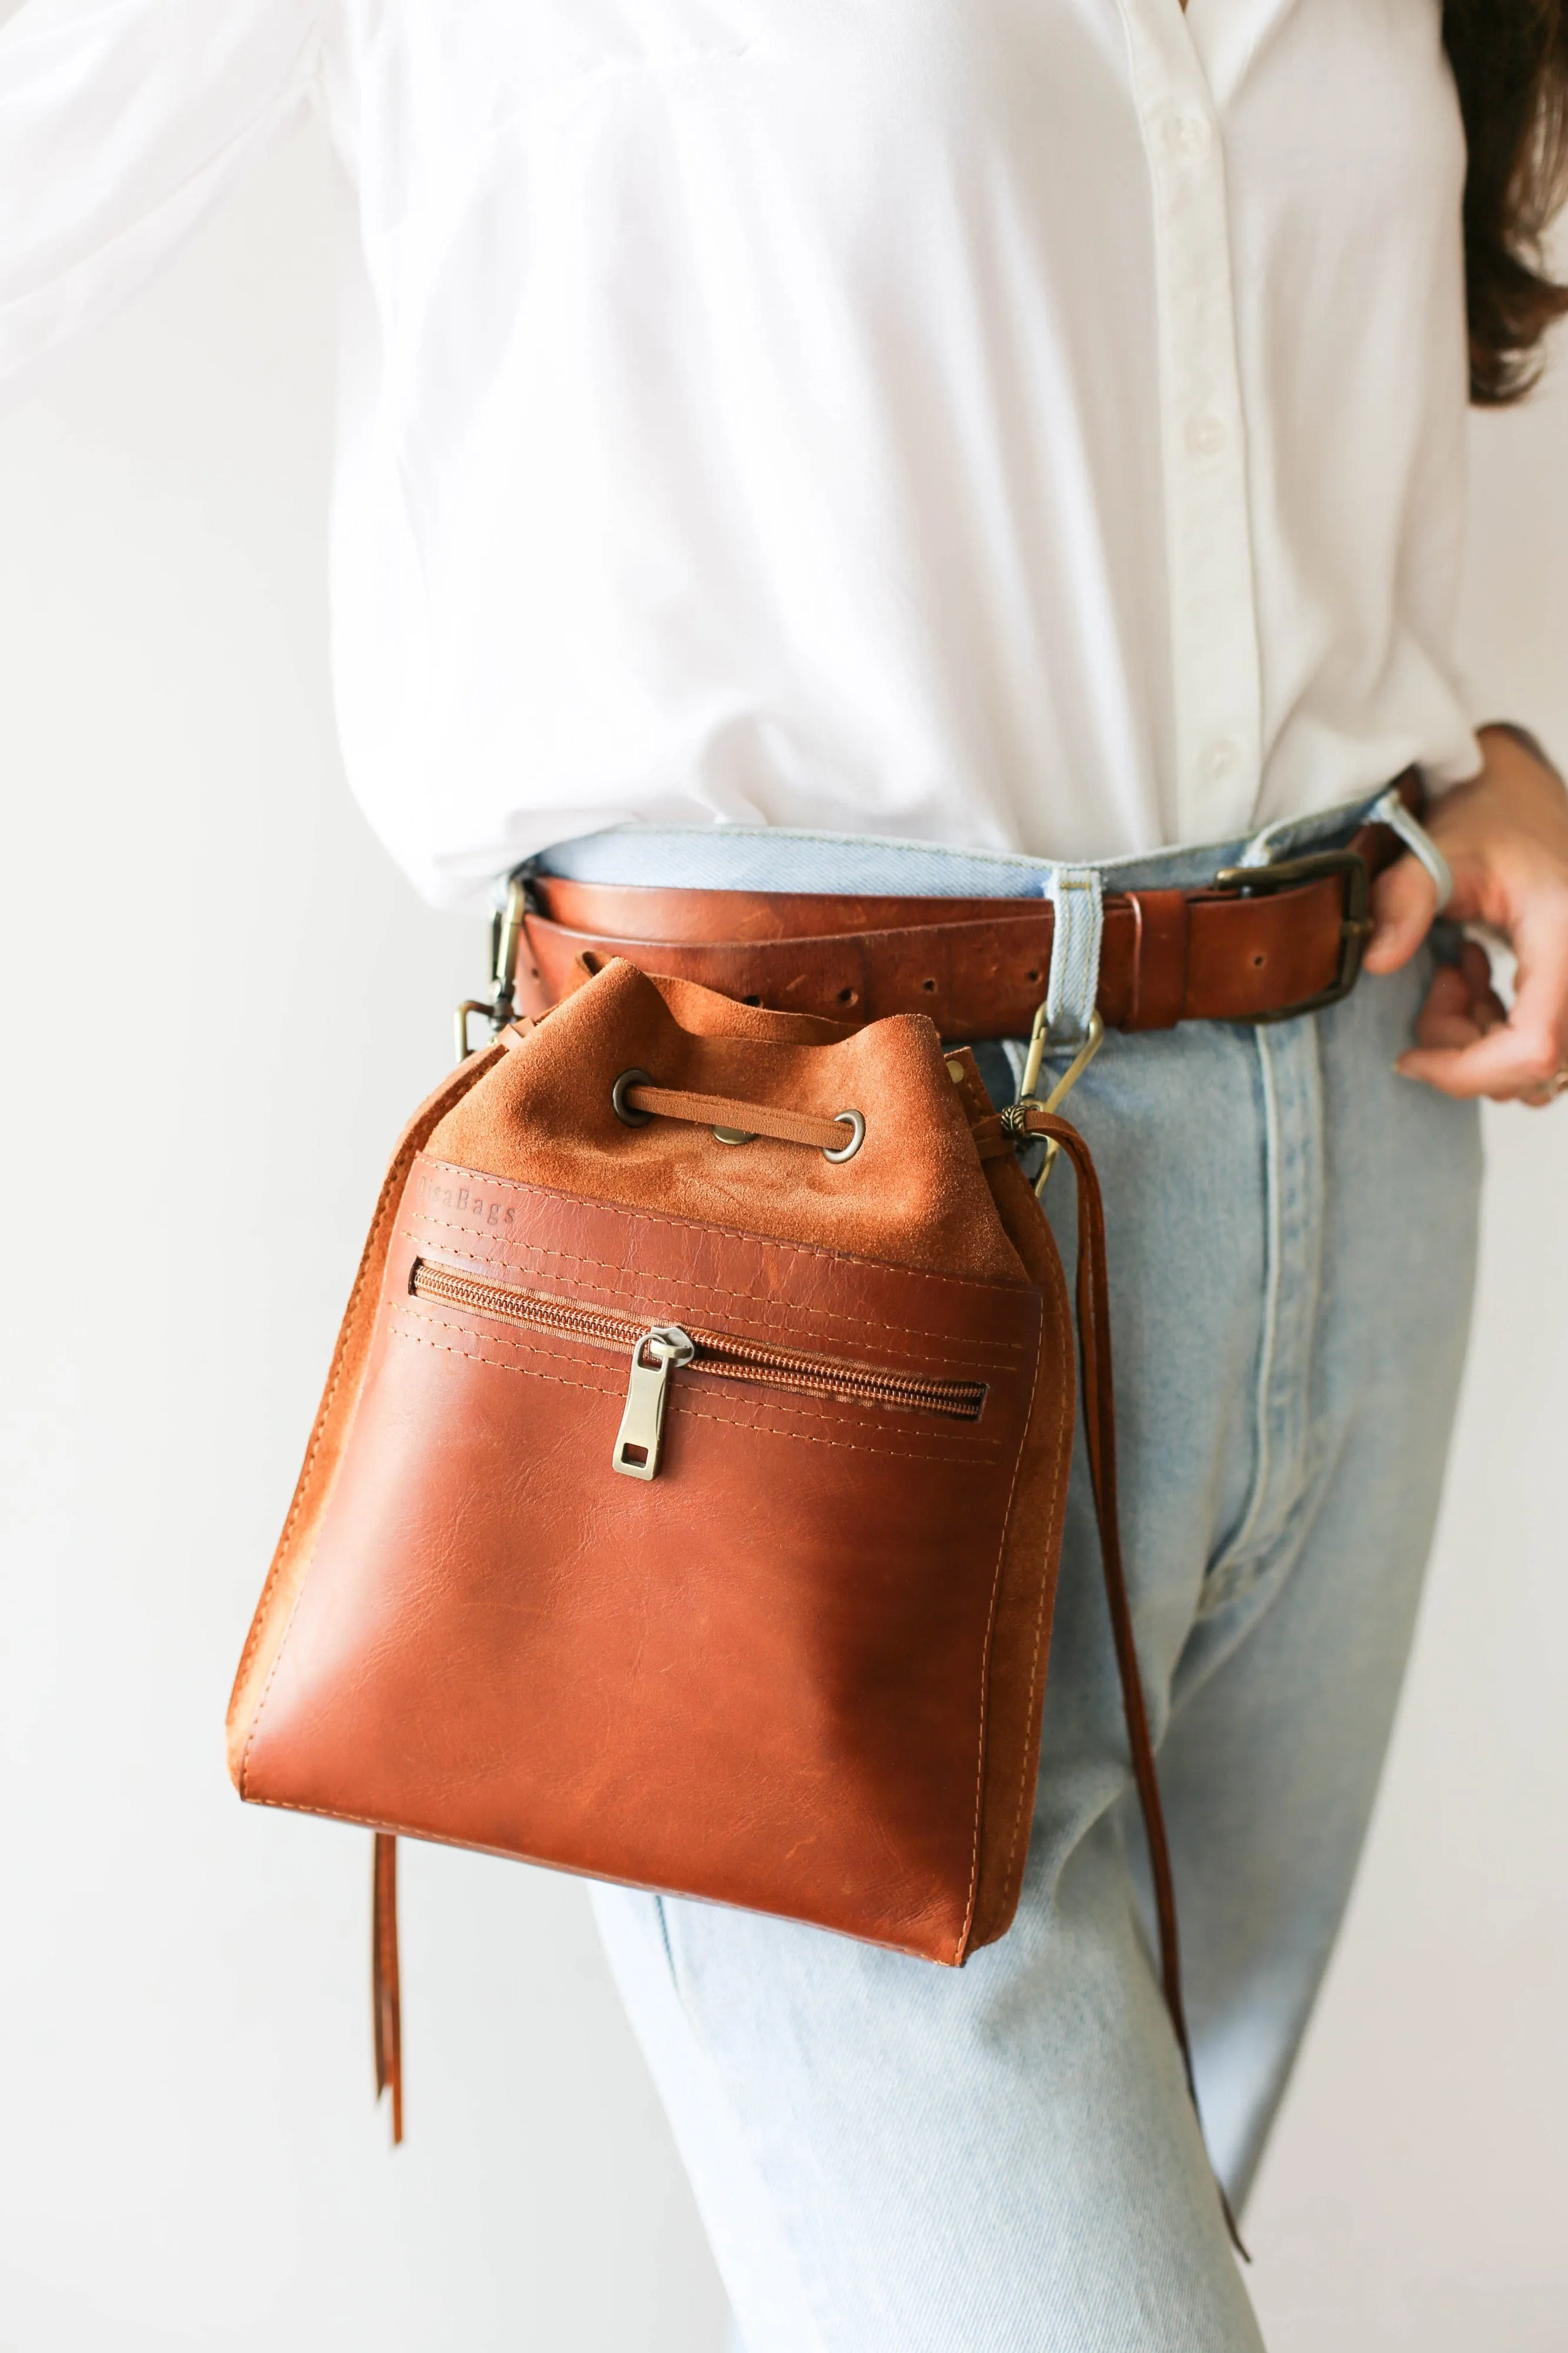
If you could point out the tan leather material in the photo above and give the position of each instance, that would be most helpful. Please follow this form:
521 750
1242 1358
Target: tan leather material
796 1660
758 1677
914 1193
976 968
385 1992
993 1136
799 1669
1161 959
748 1119
335 1413
1025 1594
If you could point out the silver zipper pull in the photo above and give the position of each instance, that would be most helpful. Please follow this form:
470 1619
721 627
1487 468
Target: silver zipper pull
642 1424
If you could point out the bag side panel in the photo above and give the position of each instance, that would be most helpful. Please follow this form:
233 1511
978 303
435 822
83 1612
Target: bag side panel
1031 1557
334 1414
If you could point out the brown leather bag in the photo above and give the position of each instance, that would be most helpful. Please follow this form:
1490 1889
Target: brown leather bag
685 1504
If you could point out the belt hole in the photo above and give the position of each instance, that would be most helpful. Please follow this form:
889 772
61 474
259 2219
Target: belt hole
928 984
847 997
1258 962
1032 975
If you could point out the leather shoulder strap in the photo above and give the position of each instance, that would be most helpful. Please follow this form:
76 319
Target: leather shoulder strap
995 1134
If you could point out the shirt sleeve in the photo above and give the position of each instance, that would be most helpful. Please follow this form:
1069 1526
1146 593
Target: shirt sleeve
123 124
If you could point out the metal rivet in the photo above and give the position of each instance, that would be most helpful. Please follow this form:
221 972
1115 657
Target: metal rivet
955 1071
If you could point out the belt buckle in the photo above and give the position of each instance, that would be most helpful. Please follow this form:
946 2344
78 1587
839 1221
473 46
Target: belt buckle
1355 922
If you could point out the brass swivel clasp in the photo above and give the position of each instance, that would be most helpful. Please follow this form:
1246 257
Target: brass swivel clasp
1027 1099
498 1007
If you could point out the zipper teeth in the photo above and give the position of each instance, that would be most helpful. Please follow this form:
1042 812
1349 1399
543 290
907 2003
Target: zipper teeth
522 1306
778 1367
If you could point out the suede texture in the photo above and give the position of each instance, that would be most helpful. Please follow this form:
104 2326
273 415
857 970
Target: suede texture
914 1195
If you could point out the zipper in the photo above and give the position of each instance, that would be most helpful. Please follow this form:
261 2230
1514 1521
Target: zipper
658 1350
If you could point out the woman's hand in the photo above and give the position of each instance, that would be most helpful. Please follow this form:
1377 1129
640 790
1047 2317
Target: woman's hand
1505 836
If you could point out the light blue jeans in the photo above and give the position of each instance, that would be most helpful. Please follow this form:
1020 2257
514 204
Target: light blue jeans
892 2157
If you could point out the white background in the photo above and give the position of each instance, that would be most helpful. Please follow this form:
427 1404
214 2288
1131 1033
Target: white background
219 1001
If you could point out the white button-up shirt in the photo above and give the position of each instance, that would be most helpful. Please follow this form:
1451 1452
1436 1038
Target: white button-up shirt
1028 423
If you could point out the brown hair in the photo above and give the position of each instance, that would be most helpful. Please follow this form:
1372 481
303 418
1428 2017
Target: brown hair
1510 62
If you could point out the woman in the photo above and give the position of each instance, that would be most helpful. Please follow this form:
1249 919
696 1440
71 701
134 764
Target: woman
902 450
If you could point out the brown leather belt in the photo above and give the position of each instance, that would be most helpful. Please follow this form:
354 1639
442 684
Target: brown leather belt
1259 943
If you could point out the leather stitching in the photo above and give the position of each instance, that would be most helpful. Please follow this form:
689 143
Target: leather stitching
764 1428
737 1234
395 1177
1063 1465
515 1854
691 1283
981 1450
985 1665
388 1201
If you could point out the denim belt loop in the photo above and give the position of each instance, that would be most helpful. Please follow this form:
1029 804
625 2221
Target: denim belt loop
1390 810
1259 849
1076 895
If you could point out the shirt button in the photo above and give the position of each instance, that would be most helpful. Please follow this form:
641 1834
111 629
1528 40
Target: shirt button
1206 436
1222 760
1186 134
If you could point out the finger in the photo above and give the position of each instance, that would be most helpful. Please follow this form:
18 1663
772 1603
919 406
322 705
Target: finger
1461 1005
1486 1005
1450 1016
1403 904
1523 1055
1476 967
1499 1065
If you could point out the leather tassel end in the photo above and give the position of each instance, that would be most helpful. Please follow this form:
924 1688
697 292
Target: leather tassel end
385 1998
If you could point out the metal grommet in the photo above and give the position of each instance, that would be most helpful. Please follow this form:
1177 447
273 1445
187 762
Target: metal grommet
856 1120
734 1135
618 1104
